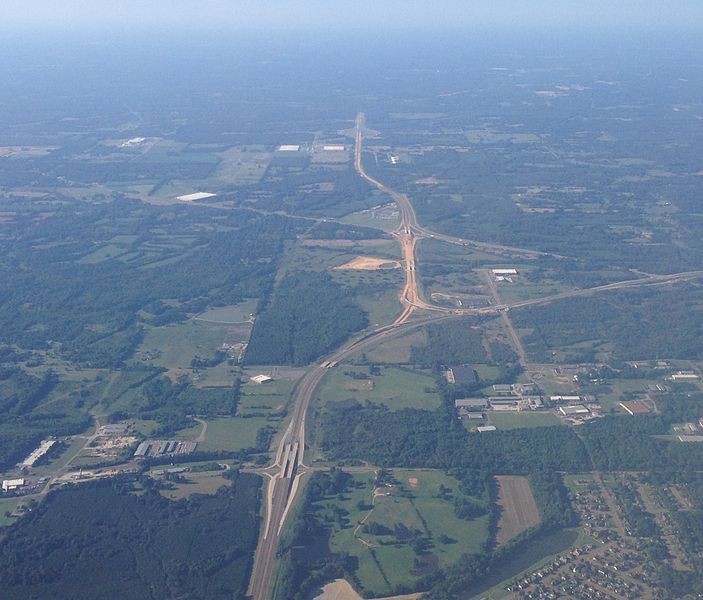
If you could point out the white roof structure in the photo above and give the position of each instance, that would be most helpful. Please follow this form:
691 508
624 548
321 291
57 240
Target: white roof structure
486 428
195 196
261 378
504 271
12 484
333 147
38 453
289 148
569 411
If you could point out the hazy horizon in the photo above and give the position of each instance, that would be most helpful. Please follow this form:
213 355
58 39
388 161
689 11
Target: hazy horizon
347 14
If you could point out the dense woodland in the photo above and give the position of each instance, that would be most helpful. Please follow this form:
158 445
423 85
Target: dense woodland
637 325
195 548
61 273
308 315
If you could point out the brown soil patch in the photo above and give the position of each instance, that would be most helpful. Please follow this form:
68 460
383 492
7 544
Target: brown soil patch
413 482
519 511
367 263
340 589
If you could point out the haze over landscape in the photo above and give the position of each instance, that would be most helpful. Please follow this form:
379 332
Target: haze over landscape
318 300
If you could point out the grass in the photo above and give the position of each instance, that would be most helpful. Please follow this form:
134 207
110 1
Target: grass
397 349
384 561
366 219
8 505
518 420
395 387
383 307
175 346
270 397
226 433
236 313
197 483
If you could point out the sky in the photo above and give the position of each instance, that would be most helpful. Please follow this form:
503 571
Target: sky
348 14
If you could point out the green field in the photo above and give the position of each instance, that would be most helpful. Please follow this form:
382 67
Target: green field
235 313
412 501
268 398
395 387
517 420
226 433
7 506
397 349
174 346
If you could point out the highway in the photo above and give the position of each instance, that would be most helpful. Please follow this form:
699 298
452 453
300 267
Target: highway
285 473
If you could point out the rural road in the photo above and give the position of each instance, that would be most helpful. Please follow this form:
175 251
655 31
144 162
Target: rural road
288 467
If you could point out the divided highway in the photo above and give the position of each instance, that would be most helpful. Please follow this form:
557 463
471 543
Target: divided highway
288 467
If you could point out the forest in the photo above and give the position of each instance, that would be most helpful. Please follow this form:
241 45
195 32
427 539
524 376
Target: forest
639 325
24 422
308 315
451 344
199 547
60 285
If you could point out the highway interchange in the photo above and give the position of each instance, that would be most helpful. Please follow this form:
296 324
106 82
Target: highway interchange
284 475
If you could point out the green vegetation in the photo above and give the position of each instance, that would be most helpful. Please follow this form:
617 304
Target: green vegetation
66 547
307 316
394 387
170 405
385 531
451 344
51 294
26 418
624 325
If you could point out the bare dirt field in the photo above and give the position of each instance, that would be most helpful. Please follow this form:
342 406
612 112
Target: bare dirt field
367 263
340 589
519 511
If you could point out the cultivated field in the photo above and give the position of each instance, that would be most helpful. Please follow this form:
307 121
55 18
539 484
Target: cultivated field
519 511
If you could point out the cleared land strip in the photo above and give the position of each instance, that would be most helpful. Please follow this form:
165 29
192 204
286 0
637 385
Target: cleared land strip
518 508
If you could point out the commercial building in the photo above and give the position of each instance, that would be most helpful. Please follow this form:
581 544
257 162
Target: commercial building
43 448
9 485
564 398
635 407
471 404
574 411
196 196
684 376
461 375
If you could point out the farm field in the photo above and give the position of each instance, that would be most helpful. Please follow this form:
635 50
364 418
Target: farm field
395 387
410 503
175 346
518 509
